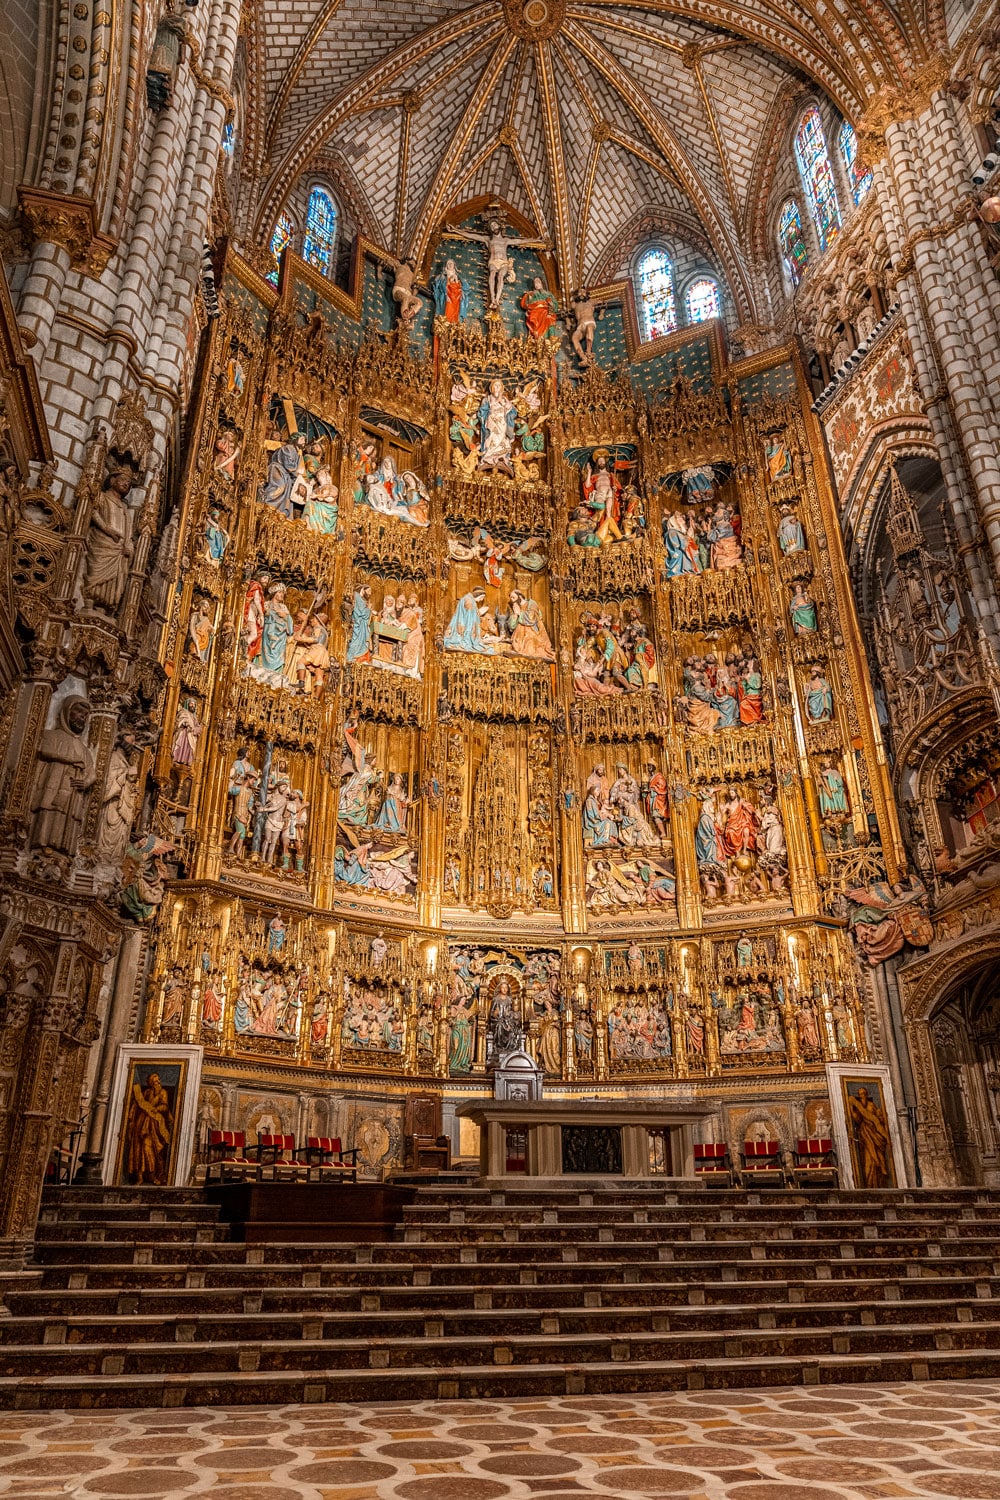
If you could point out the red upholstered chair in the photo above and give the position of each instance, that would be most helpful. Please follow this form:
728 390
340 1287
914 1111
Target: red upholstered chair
226 1155
324 1156
277 1152
815 1163
711 1162
762 1164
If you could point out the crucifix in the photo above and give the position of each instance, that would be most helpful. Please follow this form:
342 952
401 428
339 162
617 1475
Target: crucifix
499 264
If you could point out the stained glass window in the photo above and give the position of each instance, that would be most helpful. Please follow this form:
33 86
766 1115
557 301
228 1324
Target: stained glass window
817 176
702 300
791 241
229 139
282 237
321 231
655 283
860 180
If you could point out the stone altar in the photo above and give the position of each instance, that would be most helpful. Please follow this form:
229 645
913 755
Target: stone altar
580 1137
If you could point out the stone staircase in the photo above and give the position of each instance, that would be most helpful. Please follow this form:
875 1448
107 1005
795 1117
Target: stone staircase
138 1298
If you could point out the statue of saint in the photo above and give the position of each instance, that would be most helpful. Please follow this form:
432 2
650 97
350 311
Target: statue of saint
540 307
451 295
497 420
65 774
505 1025
109 541
121 800
585 317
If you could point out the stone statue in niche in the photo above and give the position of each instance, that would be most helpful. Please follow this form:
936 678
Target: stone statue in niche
109 540
164 60
505 1030
802 608
217 538
227 451
187 731
778 458
145 875
64 775
500 265
819 698
791 533
118 809
201 628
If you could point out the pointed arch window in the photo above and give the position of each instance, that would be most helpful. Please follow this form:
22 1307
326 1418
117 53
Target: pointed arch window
791 241
859 178
280 240
229 140
654 278
702 300
321 231
817 176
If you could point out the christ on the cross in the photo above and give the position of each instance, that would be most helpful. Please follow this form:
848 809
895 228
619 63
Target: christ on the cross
498 242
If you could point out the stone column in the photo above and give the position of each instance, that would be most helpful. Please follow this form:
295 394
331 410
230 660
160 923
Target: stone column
945 285
116 1025
42 293
31 1118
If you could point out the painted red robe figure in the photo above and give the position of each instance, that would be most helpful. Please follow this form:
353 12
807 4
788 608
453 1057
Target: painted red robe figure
540 309
739 822
253 615
450 294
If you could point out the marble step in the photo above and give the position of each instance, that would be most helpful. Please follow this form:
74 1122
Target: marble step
295 1386
311 1291
481 1271
305 1296
623 1348
201 1322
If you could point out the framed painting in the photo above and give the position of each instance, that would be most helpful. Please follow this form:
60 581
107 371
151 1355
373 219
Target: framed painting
151 1120
866 1127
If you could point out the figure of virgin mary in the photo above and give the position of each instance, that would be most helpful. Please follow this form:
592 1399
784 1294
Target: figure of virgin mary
465 631
497 416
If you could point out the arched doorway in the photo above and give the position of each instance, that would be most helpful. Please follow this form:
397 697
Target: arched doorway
965 1033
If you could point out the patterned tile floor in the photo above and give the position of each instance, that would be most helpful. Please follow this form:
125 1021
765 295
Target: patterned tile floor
833 1443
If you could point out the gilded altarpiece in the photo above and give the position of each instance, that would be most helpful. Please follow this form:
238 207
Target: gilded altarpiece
499 697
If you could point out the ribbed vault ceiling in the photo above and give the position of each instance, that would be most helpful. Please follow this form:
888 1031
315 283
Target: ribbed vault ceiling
584 117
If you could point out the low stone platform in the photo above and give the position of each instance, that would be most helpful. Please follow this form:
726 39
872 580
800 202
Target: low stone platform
142 1299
